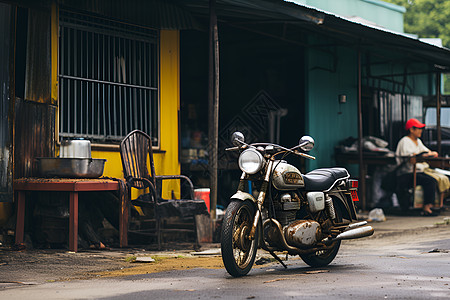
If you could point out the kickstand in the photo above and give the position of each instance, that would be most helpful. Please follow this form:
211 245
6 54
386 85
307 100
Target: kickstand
277 258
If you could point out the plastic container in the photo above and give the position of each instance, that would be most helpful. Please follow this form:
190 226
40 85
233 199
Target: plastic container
203 194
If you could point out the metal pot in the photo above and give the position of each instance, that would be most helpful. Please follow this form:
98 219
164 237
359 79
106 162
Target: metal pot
78 148
70 167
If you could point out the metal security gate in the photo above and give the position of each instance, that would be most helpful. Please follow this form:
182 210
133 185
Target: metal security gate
108 76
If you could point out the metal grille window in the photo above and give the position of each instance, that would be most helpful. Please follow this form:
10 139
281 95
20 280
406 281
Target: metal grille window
108 77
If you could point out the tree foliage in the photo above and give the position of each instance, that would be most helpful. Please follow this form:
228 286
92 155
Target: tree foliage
427 18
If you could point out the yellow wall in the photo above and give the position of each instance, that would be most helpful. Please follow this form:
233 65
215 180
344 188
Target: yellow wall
54 49
170 106
166 163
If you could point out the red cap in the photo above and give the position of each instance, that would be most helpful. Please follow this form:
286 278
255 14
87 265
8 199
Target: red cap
414 123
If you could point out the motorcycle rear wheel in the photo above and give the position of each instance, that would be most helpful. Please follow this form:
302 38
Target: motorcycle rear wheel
323 258
238 251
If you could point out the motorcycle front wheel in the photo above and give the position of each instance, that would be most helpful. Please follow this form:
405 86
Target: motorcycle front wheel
323 258
238 250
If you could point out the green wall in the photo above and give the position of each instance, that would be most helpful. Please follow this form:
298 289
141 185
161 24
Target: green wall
332 71
418 82
384 14
330 74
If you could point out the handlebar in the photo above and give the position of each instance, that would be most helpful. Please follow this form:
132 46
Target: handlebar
304 155
232 149
255 145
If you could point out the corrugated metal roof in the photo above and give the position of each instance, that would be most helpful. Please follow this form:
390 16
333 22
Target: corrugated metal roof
351 32
190 14
372 36
250 10
151 13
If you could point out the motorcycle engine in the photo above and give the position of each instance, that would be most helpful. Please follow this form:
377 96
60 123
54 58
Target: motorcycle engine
286 206
297 233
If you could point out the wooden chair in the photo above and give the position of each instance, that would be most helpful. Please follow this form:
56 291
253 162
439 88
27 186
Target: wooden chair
437 163
407 191
135 148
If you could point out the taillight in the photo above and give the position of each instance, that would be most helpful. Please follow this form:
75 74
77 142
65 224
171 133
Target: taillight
352 184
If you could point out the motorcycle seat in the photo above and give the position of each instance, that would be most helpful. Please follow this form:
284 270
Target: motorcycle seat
324 179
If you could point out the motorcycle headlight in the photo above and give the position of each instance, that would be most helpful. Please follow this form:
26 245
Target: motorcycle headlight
251 161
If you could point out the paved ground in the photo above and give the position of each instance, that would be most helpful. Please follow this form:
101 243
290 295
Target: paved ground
39 266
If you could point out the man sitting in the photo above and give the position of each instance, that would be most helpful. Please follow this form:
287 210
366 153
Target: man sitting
411 145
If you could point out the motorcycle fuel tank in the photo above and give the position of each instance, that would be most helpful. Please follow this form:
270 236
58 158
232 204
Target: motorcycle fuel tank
286 177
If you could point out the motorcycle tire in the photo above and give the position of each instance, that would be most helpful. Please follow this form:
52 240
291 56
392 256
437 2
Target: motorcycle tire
238 251
323 258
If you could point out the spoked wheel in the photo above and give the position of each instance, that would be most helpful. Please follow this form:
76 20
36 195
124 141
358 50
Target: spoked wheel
322 258
238 250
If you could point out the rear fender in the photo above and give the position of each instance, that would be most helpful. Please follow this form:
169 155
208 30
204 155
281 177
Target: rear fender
346 203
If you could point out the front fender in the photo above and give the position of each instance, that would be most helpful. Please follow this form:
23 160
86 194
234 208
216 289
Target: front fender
243 196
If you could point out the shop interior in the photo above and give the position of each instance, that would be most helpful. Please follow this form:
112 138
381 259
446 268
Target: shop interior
261 94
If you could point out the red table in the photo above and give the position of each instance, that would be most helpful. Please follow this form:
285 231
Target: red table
73 186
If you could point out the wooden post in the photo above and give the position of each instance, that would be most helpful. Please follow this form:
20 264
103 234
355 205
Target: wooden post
20 219
438 113
213 95
362 175
73 221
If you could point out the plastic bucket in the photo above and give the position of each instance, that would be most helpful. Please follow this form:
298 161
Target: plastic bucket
204 195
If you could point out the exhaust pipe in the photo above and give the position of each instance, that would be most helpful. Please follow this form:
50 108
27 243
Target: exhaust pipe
355 225
355 233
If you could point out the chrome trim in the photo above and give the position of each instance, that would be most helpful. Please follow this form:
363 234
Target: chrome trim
337 180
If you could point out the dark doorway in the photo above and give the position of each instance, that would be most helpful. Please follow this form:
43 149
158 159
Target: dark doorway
260 78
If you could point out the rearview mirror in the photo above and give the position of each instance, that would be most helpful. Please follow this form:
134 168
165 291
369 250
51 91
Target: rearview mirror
237 138
306 143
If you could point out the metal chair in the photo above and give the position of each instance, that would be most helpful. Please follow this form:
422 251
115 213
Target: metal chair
135 148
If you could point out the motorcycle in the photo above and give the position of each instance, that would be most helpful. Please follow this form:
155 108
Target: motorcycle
283 210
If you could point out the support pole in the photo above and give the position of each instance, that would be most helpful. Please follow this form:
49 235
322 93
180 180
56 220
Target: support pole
213 100
438 113
362 175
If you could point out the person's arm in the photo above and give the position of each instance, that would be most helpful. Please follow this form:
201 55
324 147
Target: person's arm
428 153
431 154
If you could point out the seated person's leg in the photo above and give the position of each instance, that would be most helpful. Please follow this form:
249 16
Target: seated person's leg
428 184
404 183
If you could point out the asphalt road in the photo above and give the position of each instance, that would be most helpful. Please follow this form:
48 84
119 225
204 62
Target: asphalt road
411 264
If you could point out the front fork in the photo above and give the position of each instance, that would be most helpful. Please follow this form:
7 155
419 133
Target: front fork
261 197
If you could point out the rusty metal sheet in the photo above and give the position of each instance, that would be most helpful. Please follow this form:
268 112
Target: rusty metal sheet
38 70
34 136
5 103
